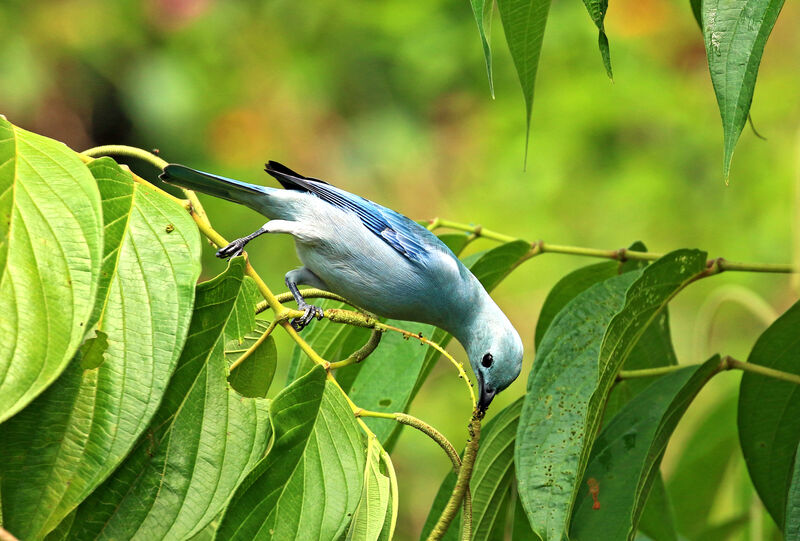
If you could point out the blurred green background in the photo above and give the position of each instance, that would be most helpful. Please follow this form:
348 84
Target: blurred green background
389 99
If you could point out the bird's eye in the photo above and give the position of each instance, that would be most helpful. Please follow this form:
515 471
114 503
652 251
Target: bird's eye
487 360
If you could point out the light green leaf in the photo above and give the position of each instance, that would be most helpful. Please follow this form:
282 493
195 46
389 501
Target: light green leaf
254 375
370 514
311 480
579 357
482 10
769 414
94 417
627 454
735 33
203 440
51 248
597 11
707 454
523 24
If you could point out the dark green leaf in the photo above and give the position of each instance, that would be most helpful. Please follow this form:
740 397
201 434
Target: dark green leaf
792 527
94 417
735 33
627 454
439 503
579 357
253 376
311 480
697 11
482 10
597 11
520 526
51 249
523 24
203 440
658 517
707 454
91 352
769 414
455 241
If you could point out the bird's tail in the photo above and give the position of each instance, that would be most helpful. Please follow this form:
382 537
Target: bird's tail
243 193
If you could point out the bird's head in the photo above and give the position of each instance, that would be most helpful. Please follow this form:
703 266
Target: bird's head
495 353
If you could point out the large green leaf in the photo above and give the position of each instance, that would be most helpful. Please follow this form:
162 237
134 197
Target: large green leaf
368 519
769 414
51 248
94 416
202 442
523 24
792 522
482 10
311 481
735 33
597 11
627 454
706 455
658 517
579 357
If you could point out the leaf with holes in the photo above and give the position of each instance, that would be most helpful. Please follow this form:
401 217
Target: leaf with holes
51 249
627 454
580 355
769 415
735 33
95 415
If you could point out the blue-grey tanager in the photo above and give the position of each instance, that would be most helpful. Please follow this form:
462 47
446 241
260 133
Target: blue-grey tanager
376 258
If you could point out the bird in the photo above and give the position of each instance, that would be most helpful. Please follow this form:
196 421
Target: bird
377 259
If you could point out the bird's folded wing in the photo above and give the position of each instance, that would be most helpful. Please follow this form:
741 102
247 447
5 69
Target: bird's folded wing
396 230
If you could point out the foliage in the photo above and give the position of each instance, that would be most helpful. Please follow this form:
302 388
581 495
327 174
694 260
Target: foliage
158 425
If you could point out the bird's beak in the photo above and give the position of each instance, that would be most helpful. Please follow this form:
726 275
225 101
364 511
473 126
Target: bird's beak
486 395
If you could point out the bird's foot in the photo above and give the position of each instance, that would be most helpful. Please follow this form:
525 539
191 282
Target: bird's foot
310 311
232 250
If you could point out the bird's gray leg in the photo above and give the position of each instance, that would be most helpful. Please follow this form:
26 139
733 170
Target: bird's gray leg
237 247
273 226
304 276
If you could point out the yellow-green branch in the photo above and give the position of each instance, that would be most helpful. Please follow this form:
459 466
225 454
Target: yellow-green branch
622 254
728 363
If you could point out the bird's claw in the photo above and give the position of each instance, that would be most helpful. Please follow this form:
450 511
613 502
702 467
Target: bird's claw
310 312
231 250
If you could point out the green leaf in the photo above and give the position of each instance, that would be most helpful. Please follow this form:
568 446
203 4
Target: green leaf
769 414
697 11
735 33
368 520
707 454
51 248
523 24
91 352
311 480
493 473
94 416
482 10
792 523
520 526
253 377
491 482
203 440
658 517
627 454
455 241
439 503
597 11
579 357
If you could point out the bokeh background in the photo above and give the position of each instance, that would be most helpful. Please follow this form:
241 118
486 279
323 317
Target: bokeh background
389 99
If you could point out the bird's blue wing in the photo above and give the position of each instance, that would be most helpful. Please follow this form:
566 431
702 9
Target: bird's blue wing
402 234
